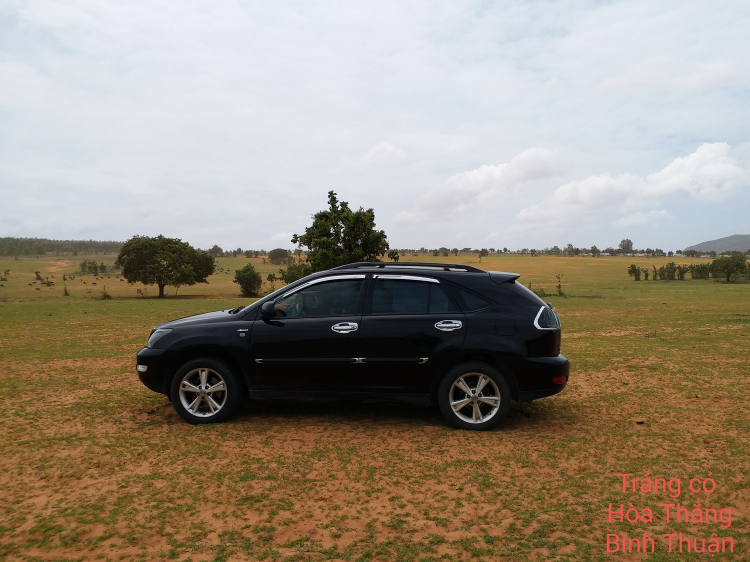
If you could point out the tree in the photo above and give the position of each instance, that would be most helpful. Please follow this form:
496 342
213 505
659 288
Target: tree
278 256
164 261
670 270
634 271
339 236
595 252
216 251
294 272
249 280
626 246
482 253
728 266
393 255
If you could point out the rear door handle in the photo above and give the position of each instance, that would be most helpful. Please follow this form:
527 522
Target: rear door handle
448 325
345 327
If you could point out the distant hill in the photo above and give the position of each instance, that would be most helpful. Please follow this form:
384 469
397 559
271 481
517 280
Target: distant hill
734 243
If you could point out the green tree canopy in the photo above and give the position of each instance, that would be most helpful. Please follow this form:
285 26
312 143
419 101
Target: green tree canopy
164 261
249 281
728 266
339 236
278 256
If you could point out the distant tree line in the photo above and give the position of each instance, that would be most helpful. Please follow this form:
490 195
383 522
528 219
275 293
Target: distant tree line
10 246
732 266
90 266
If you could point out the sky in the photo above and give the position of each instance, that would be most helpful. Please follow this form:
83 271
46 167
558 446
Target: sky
462 124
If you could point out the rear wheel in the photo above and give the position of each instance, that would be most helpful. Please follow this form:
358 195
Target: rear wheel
474 396
206 390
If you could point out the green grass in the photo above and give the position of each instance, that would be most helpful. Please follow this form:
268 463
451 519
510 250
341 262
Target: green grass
95 466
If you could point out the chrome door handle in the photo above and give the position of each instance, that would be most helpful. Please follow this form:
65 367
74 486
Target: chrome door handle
345 327
448 325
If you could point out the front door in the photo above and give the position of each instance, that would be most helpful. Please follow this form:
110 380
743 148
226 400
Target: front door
313 342
410 324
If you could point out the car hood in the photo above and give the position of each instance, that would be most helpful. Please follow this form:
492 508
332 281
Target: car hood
205 318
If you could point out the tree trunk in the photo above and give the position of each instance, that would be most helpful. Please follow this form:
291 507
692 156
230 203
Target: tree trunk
161 291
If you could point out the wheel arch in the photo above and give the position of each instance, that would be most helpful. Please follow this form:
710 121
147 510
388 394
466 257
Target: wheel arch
190 353
490 360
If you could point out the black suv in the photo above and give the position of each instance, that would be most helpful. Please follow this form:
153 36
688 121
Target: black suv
467 340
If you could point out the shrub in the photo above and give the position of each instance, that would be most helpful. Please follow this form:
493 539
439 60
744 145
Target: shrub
634 271
249 280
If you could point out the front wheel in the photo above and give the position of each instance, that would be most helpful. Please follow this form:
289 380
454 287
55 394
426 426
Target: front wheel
474 396
206 390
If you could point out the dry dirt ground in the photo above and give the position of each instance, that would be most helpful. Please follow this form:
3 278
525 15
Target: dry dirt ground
94 466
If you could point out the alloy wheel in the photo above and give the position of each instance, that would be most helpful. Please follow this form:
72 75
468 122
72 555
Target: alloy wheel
474 398
203 392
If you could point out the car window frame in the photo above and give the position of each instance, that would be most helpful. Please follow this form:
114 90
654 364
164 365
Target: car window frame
332 278
416 278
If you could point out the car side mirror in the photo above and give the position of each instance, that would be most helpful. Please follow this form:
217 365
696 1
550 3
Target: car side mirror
267 309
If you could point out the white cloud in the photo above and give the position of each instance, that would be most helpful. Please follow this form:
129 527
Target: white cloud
224 122
651 218
710 173
667 72
466 190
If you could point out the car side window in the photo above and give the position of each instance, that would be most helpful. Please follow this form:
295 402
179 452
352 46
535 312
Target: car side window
330 298
397 296
472 302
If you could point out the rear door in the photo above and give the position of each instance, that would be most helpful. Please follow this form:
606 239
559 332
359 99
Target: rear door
313 342
410 324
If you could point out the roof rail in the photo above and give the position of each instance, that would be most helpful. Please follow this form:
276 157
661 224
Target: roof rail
412 264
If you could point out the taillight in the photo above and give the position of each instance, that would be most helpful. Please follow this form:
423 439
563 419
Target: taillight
546 319
560 380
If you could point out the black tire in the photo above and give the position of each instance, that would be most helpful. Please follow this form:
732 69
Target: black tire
213 372
492 402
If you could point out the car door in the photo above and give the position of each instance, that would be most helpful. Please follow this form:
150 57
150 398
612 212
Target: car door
312 344
410 324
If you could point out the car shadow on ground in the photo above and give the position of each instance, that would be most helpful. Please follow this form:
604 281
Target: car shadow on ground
368 412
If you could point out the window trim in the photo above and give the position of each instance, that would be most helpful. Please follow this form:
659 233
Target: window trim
405 278
316 281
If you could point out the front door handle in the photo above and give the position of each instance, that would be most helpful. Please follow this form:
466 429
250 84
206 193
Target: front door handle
448 325
345 327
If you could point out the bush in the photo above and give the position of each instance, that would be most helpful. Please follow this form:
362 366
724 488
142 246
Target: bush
249 281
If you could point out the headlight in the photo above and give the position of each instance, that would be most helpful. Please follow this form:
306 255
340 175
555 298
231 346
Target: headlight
156 335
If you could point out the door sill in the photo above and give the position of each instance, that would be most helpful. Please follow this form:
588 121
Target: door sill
401 397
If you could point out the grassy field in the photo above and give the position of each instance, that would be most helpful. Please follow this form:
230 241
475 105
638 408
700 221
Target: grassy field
96 467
